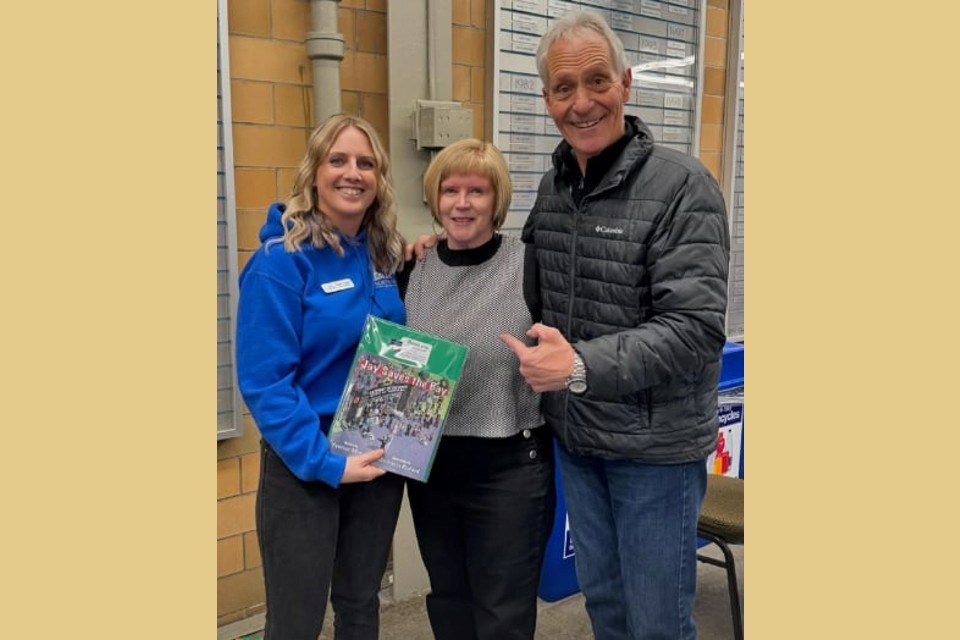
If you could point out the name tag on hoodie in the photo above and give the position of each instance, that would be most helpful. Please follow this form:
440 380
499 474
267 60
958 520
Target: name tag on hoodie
337 285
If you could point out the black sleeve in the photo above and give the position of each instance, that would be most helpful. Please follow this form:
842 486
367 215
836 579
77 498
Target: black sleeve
403 276
531 282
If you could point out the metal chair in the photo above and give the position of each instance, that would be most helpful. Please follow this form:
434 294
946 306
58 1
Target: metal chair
721 522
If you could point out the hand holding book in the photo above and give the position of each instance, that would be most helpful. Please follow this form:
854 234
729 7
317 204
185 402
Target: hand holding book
396 400
360 467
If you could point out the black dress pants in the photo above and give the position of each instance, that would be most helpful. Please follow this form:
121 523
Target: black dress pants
482 524
316 540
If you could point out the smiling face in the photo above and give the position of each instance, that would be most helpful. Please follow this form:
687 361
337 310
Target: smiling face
466 206
584 96
346 181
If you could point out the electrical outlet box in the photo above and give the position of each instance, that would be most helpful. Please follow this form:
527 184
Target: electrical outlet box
439 124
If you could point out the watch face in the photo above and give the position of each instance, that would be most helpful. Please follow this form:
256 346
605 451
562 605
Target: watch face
577 386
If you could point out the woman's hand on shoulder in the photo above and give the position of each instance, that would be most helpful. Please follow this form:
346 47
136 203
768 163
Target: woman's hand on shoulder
419 248
360 467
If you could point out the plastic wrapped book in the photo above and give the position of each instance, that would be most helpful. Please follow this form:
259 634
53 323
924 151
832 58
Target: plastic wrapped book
397 397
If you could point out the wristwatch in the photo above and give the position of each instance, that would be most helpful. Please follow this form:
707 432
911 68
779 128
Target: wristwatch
577 382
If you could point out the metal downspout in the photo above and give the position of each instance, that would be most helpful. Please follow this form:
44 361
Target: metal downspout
325 49
440 49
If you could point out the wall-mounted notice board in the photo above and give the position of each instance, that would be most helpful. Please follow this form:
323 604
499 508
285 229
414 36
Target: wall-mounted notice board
663 43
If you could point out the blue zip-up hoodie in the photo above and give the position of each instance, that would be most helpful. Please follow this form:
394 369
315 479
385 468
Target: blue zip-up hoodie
299 320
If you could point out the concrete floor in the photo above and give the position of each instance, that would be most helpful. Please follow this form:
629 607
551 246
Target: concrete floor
567 619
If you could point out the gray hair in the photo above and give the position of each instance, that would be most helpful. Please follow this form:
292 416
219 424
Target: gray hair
573 24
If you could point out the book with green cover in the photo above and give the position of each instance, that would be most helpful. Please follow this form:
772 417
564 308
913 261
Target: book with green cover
397 397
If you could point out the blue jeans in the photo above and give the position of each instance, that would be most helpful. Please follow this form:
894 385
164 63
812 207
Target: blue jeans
634 529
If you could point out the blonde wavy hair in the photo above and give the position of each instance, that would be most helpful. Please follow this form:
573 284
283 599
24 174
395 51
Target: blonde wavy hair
304 221
470 157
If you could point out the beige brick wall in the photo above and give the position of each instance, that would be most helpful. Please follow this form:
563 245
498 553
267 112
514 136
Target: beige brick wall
714 84
272 105
239 579
469 60
363 73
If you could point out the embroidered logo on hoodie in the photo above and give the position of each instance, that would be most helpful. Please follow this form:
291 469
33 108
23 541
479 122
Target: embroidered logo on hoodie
384 279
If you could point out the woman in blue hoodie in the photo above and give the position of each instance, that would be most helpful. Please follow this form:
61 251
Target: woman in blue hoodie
325 522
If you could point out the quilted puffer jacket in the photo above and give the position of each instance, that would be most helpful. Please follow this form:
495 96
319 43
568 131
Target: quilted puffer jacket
635 277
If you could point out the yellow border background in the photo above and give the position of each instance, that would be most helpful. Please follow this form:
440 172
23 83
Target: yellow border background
851 131
109 453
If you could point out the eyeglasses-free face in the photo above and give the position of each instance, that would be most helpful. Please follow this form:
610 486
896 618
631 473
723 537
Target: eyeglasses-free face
346 181
584 96
466 205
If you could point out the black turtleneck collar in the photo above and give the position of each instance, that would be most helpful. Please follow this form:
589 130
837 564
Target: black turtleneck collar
597 166
468 257
452 258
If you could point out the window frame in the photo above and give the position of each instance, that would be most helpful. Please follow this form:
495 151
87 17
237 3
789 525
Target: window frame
225 165
733 153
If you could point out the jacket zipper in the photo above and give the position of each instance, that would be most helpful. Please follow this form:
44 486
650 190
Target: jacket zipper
578 211
573 265
573 251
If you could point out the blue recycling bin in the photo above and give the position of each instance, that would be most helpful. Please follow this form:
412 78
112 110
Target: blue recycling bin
558 578
728 458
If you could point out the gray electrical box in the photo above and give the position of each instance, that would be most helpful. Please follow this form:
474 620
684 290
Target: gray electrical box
439 123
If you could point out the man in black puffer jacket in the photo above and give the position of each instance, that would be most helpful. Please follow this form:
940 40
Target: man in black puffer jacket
630 257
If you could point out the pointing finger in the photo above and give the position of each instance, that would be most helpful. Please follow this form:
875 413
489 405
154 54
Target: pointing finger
515 345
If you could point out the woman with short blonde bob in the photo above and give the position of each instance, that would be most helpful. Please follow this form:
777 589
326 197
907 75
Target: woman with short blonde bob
483 519
328 258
